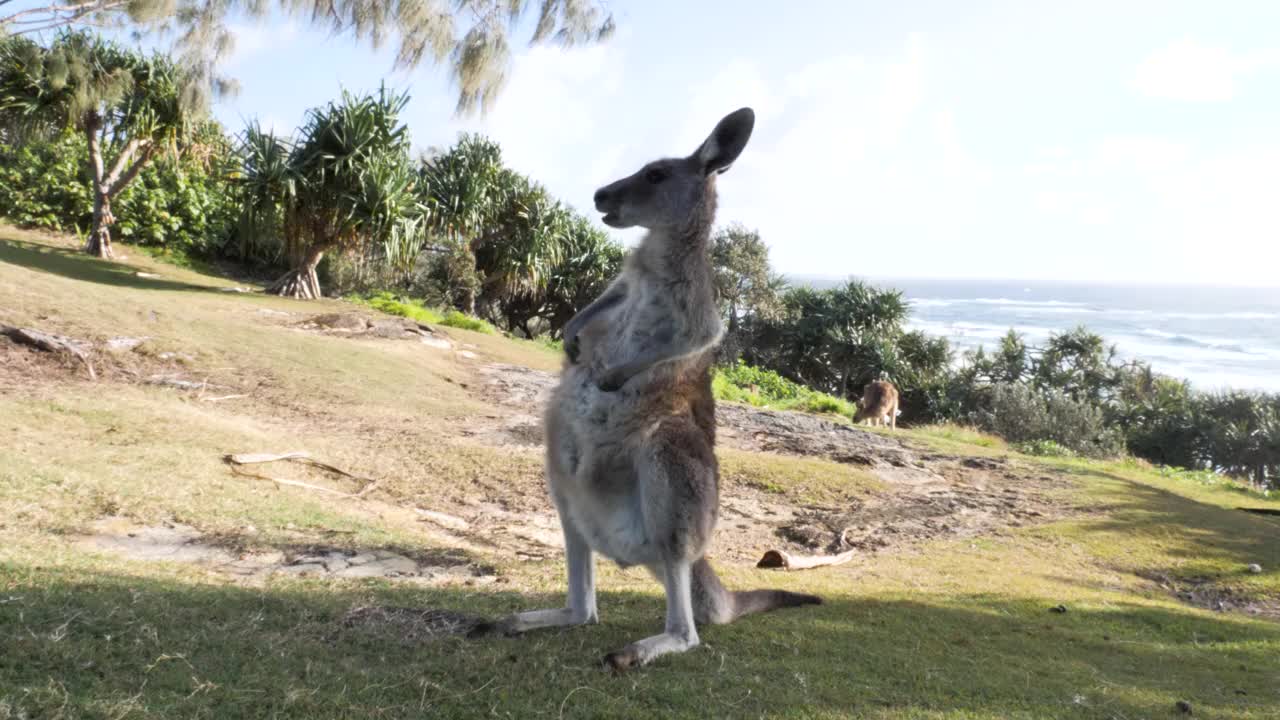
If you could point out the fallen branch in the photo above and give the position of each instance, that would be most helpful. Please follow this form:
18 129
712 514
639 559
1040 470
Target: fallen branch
181 384
787 561
220 398
302 457
294 483
50 343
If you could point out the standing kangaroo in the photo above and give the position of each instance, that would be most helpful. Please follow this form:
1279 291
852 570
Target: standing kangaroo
631 425
879 404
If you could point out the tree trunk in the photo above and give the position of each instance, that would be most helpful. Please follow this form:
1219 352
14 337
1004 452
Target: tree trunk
301 282
99 242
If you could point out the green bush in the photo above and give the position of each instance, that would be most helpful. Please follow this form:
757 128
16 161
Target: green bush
182 204
416 310
1045 448
458 319
1021 414
764 388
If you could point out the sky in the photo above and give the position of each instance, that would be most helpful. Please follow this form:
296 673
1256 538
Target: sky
1134 142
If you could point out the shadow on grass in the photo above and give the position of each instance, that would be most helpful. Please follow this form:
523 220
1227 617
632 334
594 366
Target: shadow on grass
79 266
83 644
1200 535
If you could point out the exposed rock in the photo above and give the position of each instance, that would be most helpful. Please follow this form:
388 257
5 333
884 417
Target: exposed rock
340 321
122 344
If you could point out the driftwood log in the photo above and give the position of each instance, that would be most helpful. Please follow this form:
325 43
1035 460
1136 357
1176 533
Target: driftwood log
786 561
49 342
237 461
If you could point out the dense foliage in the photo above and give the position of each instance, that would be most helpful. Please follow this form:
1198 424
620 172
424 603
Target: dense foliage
181 203
130 108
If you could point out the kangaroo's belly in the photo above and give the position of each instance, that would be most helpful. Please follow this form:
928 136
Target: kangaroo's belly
616 530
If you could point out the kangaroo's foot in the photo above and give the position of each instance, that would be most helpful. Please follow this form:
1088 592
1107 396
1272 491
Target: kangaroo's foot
642 651
523 622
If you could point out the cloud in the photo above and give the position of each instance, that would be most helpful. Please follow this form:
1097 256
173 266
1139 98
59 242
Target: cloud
1190 72
554 120
257 38
1172 211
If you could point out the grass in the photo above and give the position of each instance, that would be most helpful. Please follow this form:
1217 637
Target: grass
416 310
743 383
951 438
959 629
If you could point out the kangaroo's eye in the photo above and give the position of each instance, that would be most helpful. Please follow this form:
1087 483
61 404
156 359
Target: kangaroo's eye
653 176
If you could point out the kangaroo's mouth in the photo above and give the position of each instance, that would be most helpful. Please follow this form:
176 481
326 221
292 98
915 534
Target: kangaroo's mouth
612 220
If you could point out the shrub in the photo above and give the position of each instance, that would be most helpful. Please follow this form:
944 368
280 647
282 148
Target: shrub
458 319
182 204
1045 448
1021 414
744 383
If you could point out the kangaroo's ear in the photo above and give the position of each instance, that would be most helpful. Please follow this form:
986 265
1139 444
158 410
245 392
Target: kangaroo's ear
726 142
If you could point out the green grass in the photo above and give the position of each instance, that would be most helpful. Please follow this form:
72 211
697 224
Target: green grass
416 310
743 383
948 437
959 628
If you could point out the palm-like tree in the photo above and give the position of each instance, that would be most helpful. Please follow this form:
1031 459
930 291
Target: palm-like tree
589 260
516 253
471 36
266 185
346 183
129 107
462 191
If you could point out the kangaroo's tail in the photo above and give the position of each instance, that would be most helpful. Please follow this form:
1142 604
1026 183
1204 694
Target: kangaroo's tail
712 603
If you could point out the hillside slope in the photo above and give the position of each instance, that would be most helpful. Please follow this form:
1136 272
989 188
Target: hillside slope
143 575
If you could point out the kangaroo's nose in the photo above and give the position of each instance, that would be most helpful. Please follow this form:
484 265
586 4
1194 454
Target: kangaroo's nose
602 197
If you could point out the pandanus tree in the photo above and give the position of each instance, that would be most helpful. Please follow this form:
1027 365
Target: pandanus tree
523 242
266 185
462 189
130 107
345 184
589 260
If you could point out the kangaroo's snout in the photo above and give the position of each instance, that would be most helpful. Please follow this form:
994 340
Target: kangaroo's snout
609 202
603 199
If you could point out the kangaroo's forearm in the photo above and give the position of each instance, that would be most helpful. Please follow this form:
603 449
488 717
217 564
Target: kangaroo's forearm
610 299
665 351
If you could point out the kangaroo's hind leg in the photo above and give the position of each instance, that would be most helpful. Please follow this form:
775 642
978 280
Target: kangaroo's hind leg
581 609
678 497
581 606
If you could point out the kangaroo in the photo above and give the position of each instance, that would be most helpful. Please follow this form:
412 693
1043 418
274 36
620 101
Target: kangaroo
879 404
630 427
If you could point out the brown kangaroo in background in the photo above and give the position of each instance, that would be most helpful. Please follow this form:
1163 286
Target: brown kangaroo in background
631 426
879 404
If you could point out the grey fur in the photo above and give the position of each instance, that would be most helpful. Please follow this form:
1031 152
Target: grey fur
631 425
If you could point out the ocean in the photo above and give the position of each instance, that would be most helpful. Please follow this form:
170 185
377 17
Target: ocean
1216 337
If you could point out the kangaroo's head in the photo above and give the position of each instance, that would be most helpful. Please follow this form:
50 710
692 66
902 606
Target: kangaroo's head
665 194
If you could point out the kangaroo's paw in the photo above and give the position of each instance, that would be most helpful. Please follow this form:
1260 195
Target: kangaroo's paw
643 651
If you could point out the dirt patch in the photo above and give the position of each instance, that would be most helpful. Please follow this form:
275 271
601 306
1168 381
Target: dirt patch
1209 594
174 542
410 626
925 495
112 359
390 328
958 502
